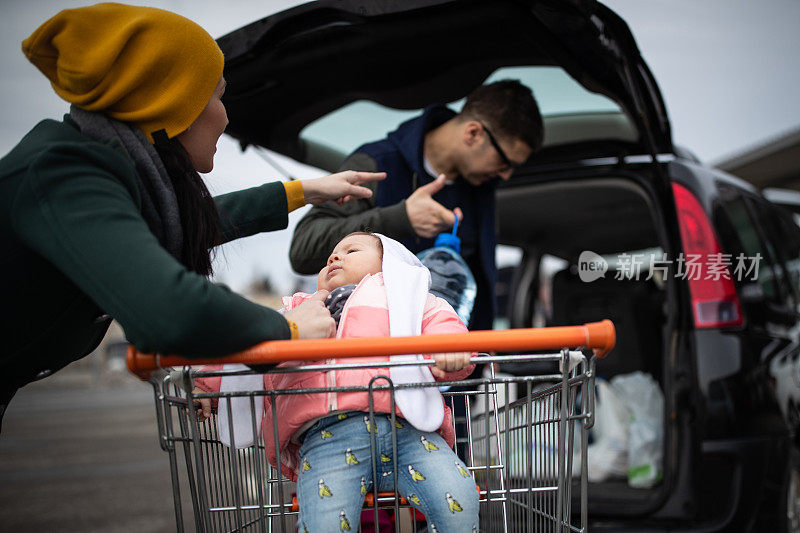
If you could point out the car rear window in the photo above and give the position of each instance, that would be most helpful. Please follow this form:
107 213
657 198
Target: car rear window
556 92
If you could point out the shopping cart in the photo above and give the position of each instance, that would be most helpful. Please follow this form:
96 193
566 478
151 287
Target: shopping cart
523 438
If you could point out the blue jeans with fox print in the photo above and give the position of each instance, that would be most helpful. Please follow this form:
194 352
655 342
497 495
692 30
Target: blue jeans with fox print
336 473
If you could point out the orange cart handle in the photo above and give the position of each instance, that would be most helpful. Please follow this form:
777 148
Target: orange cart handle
599 336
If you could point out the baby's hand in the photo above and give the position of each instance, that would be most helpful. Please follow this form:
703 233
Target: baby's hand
449 362
204 409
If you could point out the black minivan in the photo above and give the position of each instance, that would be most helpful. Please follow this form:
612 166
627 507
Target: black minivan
703 273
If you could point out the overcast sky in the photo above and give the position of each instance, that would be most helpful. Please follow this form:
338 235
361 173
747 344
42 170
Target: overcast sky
728 70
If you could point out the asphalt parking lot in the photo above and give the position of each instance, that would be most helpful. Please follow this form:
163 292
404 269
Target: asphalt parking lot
80 453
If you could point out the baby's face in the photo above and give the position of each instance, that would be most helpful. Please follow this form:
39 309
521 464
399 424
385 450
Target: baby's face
353 258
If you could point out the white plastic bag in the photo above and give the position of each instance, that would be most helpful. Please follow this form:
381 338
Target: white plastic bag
643 396
242 415
607 456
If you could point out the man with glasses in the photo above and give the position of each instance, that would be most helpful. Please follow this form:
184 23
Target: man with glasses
439 165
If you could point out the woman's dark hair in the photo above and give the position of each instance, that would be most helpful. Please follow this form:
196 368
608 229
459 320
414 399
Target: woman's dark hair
199 216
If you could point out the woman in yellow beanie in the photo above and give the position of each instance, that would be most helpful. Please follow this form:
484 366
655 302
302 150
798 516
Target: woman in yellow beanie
104 214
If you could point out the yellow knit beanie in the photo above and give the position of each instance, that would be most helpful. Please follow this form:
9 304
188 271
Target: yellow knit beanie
142 65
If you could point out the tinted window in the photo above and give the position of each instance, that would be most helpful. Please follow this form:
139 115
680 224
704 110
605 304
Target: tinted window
778 244
760 230
751 245
787 242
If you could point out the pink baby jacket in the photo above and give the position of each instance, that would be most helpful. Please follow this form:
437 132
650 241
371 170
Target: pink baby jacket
365 314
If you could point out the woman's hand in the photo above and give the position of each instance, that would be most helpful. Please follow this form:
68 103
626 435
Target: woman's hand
203 405
312 318
449 362
339 187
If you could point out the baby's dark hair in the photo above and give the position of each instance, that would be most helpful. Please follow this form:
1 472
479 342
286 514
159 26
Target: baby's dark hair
380 243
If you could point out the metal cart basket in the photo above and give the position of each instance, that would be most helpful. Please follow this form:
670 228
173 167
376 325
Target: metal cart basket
523 438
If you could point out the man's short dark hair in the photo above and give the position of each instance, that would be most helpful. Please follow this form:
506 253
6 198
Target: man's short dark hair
508 109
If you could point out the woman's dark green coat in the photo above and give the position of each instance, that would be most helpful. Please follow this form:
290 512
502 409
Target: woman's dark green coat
74 248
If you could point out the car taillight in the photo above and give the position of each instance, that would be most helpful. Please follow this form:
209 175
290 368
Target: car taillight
714 301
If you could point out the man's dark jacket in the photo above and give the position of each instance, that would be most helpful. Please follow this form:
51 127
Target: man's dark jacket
400 155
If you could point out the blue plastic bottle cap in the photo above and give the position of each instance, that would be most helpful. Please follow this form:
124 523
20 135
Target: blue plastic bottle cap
449 240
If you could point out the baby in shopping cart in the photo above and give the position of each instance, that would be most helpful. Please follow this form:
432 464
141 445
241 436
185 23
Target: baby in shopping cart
377 288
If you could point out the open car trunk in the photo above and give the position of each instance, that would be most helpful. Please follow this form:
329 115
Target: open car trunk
555 219
292 68
294 78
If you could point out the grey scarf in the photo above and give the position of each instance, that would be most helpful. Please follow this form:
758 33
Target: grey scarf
159 203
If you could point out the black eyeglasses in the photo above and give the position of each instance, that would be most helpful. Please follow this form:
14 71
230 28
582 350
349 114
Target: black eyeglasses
509 164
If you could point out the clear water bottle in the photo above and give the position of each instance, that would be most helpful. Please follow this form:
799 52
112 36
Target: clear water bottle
451 278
